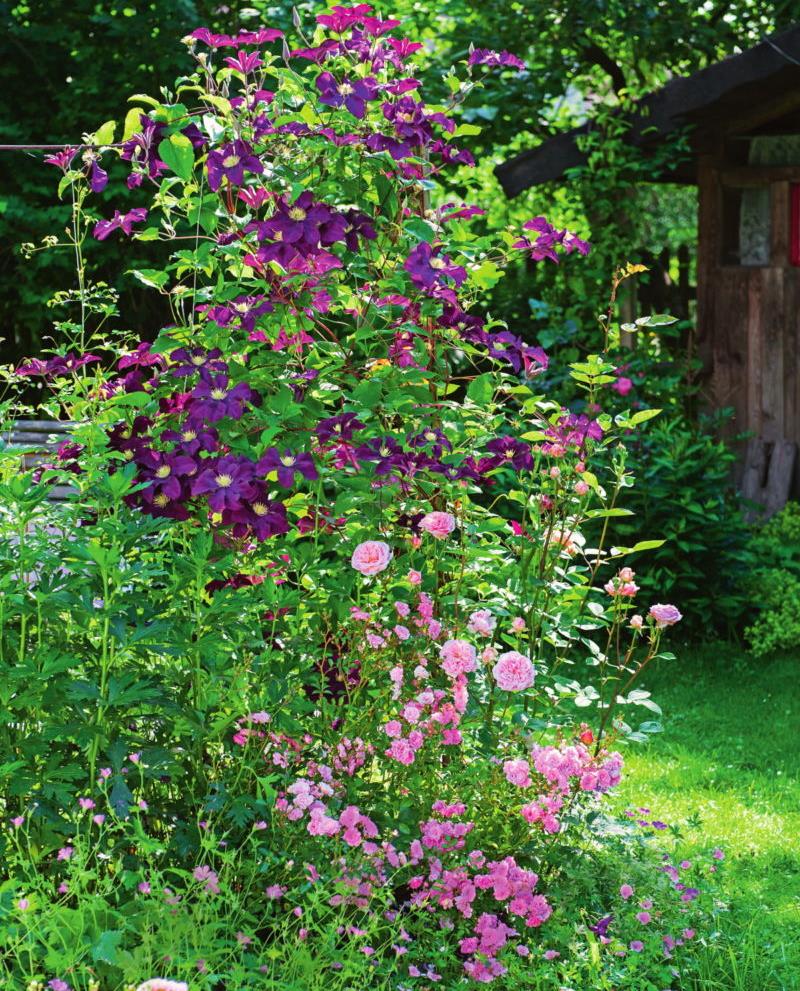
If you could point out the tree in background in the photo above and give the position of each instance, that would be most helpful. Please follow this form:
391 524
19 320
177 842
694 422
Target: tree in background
59 62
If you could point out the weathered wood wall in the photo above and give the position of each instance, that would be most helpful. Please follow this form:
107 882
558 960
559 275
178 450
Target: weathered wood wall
749 323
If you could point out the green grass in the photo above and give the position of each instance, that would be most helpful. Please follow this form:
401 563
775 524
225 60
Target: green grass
729 755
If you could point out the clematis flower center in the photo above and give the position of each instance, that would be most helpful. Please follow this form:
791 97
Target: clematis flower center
297 213
163 471
288 461
438 263
224 481
198 359
161 500
230 161
345 89
218 393
260 509
188 435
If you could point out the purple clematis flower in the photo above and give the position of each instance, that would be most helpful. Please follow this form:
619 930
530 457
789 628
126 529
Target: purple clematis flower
353 94
600 928
227 482
190 440
547 239
167 475
485 56
231 162
260 517
98 178
120 221
244 62
244 309
215 398
338 428
358 225
58 365
510 451
286 465
298 228
433 439
191 361
427 267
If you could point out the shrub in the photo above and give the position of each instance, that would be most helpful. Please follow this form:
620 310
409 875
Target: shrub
292 684
685 496
774 587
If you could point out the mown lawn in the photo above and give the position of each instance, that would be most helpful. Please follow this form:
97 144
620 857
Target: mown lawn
729 757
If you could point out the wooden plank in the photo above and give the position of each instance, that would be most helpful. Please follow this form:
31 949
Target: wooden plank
779 222
754 334
772 322
757 175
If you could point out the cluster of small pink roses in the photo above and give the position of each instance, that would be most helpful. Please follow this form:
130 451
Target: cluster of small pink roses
565 769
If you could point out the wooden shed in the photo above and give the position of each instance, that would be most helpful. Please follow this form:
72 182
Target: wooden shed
743 120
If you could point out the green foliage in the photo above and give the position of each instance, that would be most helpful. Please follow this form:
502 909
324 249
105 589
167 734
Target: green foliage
774 585
685 497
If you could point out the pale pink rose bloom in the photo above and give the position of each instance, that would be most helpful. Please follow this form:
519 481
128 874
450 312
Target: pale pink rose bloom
415 577
665 615
162 984
581 488
626 574
371 557
517 773
514 672
481 623
488 654
637 622
518 624
458 657
439 525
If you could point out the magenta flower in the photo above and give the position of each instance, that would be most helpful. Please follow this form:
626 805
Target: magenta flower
208 877
341 427
371 557
485 56
231 162
120 221
62 159
56 366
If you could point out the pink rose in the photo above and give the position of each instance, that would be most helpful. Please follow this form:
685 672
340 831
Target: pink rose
665 615
439 525
415 577
517 773
482 623
371 557
623 385
458 657
514 672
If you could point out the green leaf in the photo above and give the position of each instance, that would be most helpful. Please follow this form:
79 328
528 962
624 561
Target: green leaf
133 123
644 414
481 389
152 277
105 949
177 153
104 135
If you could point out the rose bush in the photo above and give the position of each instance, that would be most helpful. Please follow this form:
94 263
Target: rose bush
311 679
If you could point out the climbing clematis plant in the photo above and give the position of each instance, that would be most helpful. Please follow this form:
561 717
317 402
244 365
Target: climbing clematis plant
326 657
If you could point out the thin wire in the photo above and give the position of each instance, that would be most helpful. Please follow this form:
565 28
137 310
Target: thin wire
780 51
55 147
